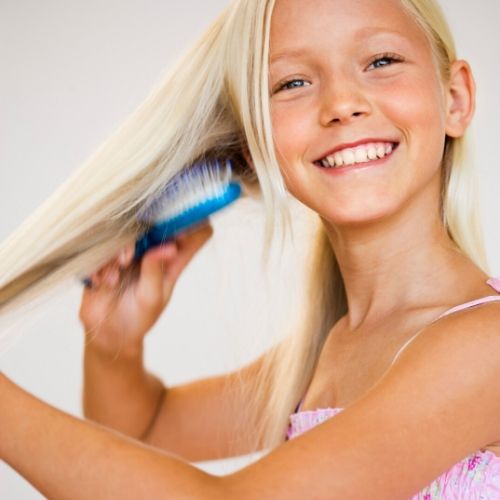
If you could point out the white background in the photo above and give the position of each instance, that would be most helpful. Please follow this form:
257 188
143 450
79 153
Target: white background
70 73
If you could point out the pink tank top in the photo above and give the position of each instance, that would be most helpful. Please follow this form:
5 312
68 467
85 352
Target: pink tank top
477 476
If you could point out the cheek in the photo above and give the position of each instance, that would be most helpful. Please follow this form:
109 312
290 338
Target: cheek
415 103
291 130
417 107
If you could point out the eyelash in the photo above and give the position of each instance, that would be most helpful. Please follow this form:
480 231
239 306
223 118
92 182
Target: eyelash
281 86
386 56
389 56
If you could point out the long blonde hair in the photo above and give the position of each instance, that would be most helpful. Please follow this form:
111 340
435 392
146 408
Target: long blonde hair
215 102
210 104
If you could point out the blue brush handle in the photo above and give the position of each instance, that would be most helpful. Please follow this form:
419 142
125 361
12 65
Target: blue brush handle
166 230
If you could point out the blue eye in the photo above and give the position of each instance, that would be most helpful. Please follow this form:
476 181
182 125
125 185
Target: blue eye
291 84
385 60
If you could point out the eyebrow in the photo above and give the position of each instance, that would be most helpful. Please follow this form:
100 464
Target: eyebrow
292 53
360 34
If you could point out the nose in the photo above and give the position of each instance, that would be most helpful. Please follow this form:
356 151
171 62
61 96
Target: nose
342 101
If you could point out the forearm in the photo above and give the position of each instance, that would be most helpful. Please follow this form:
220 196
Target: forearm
118 392
64 457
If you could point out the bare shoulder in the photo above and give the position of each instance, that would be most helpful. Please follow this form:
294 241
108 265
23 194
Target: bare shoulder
436 405
460 351
486 314
471 335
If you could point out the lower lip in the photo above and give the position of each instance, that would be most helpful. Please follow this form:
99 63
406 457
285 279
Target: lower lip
358 166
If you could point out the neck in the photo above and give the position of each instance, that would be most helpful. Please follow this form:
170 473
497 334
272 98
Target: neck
402 262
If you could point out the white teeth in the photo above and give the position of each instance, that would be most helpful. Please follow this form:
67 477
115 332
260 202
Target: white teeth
339 161
348 157
359 154
372 152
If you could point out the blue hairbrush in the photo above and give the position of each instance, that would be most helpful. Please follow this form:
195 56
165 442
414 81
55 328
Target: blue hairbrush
186 201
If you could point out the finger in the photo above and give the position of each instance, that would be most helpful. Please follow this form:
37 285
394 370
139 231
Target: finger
104 272
126 255
112 276
201 230
154 265
95 281
189 244
94 300
122 271
187 249
121 260
102 275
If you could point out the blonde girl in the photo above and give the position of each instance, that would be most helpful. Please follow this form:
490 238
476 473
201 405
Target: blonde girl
358 108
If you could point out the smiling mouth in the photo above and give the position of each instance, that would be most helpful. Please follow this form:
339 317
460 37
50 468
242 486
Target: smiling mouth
361 154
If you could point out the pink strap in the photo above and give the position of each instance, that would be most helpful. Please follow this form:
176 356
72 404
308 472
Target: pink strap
493 282
484 300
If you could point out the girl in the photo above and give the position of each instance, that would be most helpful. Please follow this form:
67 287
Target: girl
359 109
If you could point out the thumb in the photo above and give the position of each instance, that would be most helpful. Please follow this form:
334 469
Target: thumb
154 265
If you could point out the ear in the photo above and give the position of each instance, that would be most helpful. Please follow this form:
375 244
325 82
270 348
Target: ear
251 185
461 99
248 158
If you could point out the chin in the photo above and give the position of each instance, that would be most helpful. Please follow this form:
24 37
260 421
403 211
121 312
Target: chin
361 216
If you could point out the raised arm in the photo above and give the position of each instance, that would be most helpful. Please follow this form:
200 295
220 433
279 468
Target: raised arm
198 421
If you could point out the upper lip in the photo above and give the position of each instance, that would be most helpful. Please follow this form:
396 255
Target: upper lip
346 145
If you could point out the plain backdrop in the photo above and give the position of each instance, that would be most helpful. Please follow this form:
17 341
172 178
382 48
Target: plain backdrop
70 73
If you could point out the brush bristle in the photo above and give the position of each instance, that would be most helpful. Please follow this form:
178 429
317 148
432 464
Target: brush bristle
197 184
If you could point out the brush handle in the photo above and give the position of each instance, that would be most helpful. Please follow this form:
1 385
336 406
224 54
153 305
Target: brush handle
164 231
154 237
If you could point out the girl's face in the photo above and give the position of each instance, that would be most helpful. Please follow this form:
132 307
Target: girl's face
350 81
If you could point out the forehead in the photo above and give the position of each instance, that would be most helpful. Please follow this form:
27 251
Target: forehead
298 23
